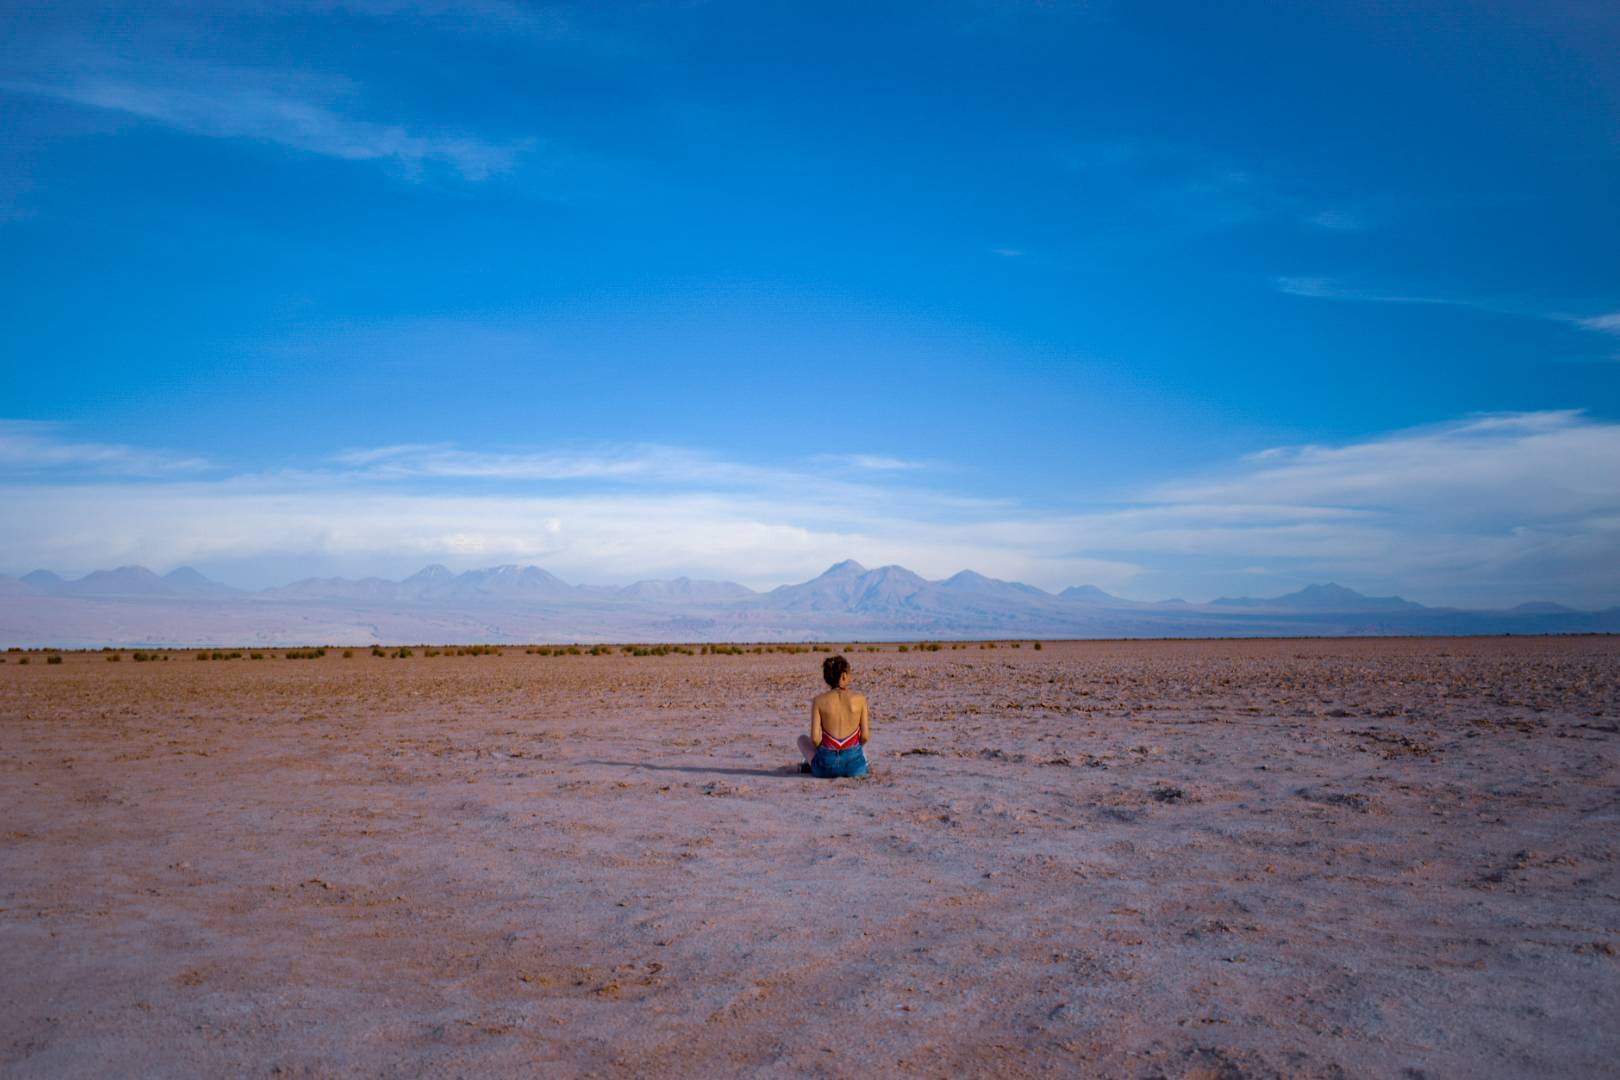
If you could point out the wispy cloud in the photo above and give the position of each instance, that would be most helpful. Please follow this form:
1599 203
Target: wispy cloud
841 476
1203 187
28 446
635 464
296 110
1493 470
1339 220
874 462
1321 288
445 460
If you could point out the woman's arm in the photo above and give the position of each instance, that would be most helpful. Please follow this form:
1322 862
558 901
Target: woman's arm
815 725
866 723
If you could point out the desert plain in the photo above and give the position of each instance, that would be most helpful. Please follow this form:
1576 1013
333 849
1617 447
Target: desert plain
1371 857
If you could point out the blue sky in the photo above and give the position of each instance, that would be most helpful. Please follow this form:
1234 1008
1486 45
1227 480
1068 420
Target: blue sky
1179 299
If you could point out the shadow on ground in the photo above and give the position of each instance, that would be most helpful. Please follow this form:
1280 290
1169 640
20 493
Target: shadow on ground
714 770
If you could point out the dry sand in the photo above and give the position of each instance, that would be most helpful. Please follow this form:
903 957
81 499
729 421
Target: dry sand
1304 858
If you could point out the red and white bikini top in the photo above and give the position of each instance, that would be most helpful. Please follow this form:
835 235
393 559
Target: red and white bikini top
845 743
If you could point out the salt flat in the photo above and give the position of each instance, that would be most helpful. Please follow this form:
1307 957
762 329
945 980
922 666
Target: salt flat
1291 857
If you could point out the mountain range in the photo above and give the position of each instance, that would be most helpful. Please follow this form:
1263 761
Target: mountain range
132 606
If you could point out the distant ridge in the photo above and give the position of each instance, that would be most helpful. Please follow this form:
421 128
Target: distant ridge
1090 594
1329 597
684 588
130 581
131 606
1542 608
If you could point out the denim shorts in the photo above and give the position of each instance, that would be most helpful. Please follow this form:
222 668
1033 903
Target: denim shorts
830 764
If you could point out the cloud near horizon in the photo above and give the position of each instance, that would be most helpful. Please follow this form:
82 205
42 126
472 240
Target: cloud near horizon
1487 510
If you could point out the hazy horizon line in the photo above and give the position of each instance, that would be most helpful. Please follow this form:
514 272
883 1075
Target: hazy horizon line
65 579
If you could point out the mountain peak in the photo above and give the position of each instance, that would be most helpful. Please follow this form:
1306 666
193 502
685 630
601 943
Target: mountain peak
847 568
436 572
1333 594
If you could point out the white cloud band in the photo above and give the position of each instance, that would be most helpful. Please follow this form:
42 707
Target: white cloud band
1487 510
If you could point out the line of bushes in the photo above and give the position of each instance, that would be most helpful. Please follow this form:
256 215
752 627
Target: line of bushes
401 652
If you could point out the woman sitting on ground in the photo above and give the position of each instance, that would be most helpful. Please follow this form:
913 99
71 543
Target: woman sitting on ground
839 727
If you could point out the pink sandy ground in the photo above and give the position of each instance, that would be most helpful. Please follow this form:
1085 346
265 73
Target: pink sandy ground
1300 858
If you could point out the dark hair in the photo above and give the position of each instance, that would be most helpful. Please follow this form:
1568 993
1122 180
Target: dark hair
832 668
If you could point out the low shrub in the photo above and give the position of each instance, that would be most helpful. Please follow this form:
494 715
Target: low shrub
255 656
1037 646
348 654
113 658
401 653
378 650
22 660
53 659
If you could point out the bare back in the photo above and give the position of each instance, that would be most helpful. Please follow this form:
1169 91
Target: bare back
839 714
